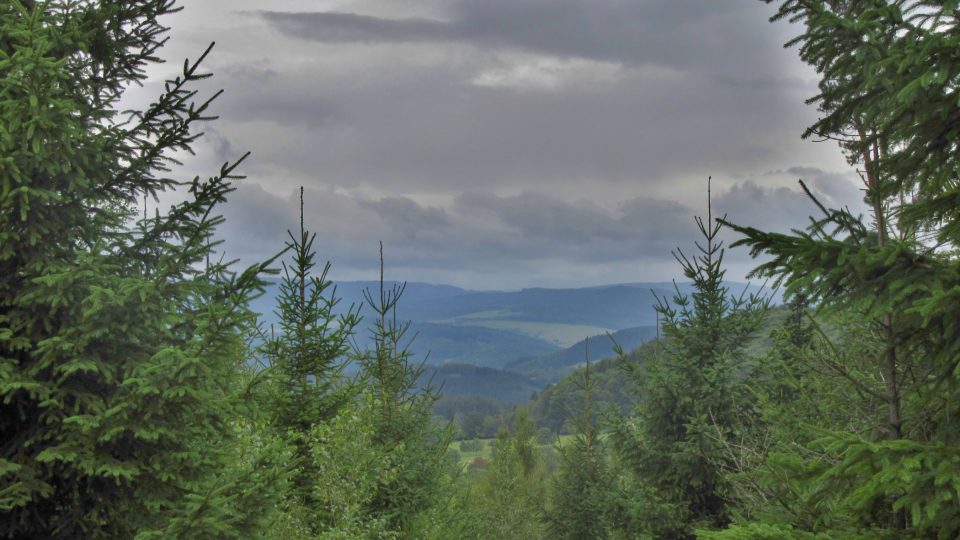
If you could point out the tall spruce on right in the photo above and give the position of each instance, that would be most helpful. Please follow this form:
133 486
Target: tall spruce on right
889 75
689 393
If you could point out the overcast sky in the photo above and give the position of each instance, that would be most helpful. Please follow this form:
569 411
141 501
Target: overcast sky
504 143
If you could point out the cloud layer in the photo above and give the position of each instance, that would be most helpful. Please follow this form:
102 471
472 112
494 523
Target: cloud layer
531 239
505 143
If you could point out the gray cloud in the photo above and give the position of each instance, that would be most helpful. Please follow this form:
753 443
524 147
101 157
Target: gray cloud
676 34
772 208
505 143
426 128
440 105
498 235
835 189
801 171
350 27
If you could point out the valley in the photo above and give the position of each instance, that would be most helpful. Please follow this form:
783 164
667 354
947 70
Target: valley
523 340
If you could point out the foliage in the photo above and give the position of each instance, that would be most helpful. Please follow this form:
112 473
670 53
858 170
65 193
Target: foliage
120 344
488 385
556 406
579 499
348 469
513 488
305 361
887 94
471 446
549 366
403 421
690 394
888 71
129 407
796 396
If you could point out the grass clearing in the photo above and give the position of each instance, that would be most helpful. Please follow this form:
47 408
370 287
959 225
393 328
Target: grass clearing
483 448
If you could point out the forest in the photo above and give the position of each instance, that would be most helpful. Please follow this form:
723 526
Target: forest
142 395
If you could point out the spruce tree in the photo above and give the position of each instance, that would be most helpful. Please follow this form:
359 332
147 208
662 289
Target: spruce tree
689 394
306 358
887 93
800 395
403 405
513 488
581 485
119 342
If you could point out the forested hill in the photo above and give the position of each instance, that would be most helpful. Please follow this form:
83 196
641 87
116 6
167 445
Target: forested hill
599 347
482 402
612 307
559 402
528 338
530 330
463 380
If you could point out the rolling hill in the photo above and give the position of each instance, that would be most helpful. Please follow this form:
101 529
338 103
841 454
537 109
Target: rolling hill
537 334
551 366
442 344
465 380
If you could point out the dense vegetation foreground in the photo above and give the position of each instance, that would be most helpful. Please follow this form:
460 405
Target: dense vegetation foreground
139 398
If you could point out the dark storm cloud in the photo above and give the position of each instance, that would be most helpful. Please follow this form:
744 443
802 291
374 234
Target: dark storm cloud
680 33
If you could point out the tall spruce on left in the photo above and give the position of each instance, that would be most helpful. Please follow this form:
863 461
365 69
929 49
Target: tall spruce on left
118 344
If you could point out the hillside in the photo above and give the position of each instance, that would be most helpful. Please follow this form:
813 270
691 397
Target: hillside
443 344
506 346
553 406
612 307
552 365
535 331
457 380
557 403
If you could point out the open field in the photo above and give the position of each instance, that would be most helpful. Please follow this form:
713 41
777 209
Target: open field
485 450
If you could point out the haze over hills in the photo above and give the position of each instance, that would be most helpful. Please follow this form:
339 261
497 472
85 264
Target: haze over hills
611 307
527 338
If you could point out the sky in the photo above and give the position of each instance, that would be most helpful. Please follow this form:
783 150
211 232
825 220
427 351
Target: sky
503 144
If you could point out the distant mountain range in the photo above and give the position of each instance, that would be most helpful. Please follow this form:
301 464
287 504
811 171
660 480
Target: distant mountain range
526 338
